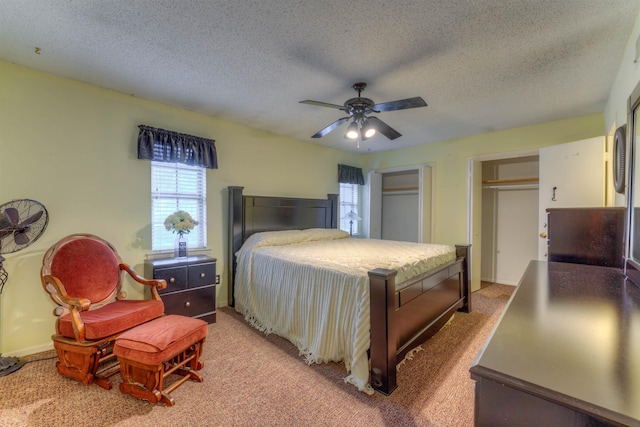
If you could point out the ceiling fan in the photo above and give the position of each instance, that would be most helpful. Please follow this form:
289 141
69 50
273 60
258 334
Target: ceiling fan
364 126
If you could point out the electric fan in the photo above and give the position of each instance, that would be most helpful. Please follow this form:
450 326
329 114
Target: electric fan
22 222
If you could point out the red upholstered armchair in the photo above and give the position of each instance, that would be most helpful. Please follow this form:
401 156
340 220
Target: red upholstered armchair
83 275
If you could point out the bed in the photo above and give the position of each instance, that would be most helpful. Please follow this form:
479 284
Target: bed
367 316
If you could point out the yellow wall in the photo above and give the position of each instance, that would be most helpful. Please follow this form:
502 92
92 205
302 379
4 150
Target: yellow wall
451 164
451 159
72 147
626 80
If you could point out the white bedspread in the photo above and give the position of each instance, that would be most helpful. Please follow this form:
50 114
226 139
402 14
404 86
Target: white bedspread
312 288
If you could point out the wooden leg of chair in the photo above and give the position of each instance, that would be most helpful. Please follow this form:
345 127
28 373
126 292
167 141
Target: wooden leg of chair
143 381
196 349
76 362
187 363
190 373
147 381
151 396
81 363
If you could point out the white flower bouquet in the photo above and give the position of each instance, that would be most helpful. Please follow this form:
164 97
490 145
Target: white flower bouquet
180 222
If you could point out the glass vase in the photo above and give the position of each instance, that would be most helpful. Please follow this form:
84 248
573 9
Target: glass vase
180 246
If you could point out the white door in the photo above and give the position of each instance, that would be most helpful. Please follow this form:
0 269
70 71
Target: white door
516 244
571 175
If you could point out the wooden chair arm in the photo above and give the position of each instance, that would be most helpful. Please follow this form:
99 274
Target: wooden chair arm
59 294
73 306
155 284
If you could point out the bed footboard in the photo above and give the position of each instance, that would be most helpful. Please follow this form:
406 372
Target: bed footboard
400 321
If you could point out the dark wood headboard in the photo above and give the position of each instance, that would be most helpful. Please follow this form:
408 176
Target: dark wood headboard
253 214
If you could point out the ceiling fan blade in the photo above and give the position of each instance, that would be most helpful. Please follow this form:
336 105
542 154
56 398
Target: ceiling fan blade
323 104
33 218
21 238
12 215
401 104
384 128
329 128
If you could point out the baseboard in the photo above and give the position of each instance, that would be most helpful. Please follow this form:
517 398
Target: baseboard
30 351
507 282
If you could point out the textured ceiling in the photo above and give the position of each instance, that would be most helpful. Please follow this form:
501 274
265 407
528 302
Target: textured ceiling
481 65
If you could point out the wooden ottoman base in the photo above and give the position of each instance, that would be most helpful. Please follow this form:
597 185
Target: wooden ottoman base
85 362
151 352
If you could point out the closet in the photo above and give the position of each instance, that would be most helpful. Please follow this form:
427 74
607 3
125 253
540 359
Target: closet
399 204
509 218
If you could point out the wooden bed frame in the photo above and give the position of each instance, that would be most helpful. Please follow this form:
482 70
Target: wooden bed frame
400 320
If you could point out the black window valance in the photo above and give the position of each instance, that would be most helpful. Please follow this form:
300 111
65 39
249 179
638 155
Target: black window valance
162 145
350 175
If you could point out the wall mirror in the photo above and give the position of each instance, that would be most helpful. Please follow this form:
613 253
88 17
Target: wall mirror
632 267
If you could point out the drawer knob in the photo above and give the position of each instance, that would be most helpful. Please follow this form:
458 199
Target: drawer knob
187 304
201 274
172 280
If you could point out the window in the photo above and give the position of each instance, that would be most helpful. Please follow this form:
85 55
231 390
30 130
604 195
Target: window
174 187
349 201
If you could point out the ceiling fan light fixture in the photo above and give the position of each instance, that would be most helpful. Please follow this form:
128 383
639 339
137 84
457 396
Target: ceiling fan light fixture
368 131
352 131
358 109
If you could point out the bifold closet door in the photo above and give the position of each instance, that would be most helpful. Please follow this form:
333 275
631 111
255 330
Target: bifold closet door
400 216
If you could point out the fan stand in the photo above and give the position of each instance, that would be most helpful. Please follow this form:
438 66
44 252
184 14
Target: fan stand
7 364
17 218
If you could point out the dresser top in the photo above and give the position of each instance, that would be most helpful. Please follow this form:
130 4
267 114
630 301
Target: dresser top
177 262
570 334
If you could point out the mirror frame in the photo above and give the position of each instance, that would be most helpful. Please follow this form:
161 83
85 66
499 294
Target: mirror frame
632 265
619 161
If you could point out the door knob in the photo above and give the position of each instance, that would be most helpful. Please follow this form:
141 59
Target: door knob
543 235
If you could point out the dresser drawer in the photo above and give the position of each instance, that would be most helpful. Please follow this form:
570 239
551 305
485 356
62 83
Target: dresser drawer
176 278
192 303
202 274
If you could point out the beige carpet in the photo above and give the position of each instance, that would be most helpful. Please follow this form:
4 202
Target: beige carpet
255 380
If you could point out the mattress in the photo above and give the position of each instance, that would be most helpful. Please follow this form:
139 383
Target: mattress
312 288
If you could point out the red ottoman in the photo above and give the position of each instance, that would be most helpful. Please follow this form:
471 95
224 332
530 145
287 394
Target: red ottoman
154 350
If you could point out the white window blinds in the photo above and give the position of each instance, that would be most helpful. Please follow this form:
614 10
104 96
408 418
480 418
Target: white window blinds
349 195
176 187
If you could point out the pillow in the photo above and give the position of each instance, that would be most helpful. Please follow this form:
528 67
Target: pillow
288 237
312 234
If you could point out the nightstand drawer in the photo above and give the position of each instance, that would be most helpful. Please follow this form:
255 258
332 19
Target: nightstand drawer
191 303
202 274
176 278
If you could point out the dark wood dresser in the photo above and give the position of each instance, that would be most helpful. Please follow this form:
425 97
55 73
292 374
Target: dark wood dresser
592 236
566 351
191 285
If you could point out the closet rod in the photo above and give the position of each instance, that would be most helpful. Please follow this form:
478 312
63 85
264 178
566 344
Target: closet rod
512 187
408 188
510 180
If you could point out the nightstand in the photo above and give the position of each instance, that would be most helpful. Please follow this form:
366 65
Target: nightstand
191 285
